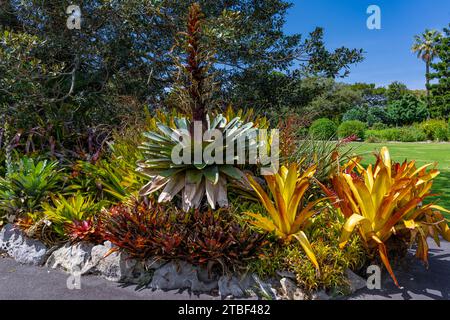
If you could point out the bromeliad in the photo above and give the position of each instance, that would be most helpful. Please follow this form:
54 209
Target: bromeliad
289 213
192 179
383 199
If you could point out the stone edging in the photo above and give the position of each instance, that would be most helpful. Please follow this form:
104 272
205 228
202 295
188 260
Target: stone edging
86 258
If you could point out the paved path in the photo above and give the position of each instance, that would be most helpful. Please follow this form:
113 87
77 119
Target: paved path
27 282
418 283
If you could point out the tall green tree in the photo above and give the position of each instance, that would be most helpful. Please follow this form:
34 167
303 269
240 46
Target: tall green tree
396 90
440 91
425 47
123 51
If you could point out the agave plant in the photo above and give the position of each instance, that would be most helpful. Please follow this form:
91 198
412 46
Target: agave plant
289 213
192 179
382 199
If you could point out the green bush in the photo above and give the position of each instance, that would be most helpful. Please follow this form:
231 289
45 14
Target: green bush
350 128
323 129
411 134
408 110
404 134
356 113
373 136
379 126
435 129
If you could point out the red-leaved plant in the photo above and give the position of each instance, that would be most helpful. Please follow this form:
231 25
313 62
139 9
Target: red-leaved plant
210 238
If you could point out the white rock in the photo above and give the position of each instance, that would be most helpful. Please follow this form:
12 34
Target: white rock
290 290
355 281
117 266
72 258
266 288
23 249
180 275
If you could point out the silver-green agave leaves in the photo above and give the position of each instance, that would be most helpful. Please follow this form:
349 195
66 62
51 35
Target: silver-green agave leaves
193 179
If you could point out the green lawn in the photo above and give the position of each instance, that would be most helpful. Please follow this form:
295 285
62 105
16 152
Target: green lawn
421 152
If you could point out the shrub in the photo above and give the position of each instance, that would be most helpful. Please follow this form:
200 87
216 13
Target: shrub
411 134
379 126
209 238
435 129
28 183
377 114
323 129
374 136
407 110
352 128
356 113
405 134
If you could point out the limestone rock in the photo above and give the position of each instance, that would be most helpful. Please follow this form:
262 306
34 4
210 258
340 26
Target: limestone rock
290 290
23 249
321 295
267 289
180 275
233 286
72 258
355 281
117 266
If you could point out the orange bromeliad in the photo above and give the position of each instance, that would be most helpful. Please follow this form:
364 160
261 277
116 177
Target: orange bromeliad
383 199
287 214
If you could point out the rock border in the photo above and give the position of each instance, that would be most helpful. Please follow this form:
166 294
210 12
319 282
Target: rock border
84 258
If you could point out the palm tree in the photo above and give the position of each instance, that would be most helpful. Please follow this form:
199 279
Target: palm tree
425 47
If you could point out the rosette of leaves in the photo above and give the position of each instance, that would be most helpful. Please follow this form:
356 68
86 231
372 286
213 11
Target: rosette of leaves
74 216
384 200
26 185
193 180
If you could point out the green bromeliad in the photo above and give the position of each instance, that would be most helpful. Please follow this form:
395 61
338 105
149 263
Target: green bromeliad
194 179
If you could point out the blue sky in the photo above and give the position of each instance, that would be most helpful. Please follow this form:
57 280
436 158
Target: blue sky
388 51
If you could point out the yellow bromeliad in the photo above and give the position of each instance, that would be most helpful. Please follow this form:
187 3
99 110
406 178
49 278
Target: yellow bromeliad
287 213
384 199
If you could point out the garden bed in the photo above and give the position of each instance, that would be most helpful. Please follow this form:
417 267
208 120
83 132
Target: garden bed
85 258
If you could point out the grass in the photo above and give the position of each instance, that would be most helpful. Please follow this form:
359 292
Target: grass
423 153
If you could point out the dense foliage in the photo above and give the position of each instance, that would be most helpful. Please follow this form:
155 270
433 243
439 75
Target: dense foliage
90 120
146 229
323 129
352 128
